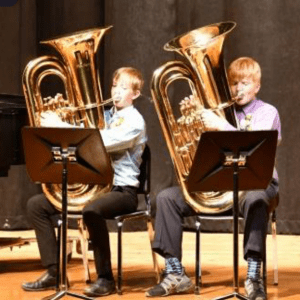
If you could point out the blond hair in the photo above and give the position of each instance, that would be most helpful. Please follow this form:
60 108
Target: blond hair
244 67
135 77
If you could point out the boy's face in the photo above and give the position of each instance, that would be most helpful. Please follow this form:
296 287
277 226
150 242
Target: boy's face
122 92
245 89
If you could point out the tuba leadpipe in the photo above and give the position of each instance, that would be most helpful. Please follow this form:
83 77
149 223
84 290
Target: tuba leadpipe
70 109
76 68
205 73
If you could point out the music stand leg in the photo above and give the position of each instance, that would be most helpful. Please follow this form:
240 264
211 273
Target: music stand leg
236 293
61 294
198 262
62 286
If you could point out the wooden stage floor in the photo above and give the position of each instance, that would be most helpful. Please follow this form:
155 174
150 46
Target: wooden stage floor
23 264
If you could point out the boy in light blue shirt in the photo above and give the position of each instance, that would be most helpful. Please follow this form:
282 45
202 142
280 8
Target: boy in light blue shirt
124 137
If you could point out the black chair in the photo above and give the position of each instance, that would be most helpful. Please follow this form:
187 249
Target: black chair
216 217
144 189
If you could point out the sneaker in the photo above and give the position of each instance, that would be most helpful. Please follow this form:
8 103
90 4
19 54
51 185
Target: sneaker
171 284
255 289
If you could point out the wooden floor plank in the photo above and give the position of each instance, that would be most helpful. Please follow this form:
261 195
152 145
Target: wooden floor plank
23 264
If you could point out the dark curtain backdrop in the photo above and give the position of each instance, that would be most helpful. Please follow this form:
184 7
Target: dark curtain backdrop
267 30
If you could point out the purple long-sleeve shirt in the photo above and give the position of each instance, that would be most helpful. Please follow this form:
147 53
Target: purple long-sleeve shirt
258 115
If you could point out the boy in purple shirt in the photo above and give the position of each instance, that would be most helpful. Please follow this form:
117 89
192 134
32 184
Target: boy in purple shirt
244 75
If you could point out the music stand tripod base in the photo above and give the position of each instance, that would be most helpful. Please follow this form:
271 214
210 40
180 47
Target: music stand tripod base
232 295
61 294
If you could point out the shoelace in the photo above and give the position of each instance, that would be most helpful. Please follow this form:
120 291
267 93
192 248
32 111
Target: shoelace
170 282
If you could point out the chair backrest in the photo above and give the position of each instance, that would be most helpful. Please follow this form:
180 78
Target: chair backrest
145 172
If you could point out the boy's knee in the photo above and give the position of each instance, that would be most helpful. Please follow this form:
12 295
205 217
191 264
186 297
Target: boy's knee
85 212
162 199
33 204
88 213
258 203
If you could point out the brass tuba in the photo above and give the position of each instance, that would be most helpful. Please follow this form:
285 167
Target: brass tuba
206 75
76 69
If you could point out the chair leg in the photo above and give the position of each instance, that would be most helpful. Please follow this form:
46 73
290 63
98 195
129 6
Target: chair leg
264 276
59 263
198 263
119 283
84 247
275 254
69 249
154 255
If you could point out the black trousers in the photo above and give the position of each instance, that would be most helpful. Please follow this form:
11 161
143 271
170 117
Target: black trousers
42 214
171 208
121 200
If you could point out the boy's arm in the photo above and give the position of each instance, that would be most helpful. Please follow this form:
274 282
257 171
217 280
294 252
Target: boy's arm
265 119
124 136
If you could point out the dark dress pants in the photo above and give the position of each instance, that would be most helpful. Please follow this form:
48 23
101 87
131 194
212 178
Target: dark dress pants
171 208
121 200
43 216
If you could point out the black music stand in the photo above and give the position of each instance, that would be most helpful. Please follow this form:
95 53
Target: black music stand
65 156
233 161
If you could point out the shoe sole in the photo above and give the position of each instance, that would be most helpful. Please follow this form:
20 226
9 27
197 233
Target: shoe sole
177 291
99 295
38 290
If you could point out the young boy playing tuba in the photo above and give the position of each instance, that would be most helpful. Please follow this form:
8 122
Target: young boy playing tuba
244 75
124 138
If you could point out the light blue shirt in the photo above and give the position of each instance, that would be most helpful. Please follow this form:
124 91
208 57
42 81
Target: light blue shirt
124 138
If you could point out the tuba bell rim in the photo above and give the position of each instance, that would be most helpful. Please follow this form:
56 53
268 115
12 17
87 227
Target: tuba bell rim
76 33
224 28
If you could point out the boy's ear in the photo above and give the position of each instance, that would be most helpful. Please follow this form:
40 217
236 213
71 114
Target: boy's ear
257 88
137 94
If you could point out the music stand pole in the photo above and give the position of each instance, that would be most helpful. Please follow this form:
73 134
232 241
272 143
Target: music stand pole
235 293
62 281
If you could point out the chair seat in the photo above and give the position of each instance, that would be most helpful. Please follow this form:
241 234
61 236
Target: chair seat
212 217
134 215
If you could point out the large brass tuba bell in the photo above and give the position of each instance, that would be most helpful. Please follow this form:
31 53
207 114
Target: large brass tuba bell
205 72
76 69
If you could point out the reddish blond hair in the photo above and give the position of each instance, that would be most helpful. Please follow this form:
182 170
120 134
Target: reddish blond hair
135 77
244 67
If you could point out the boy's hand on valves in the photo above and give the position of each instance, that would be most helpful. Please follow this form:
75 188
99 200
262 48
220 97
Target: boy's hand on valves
188 101
50 119
211 121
